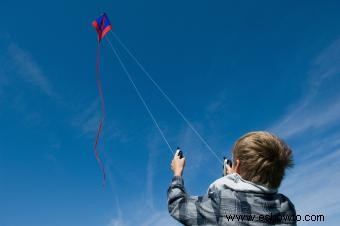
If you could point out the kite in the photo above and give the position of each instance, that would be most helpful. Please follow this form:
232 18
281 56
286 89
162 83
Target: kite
102 26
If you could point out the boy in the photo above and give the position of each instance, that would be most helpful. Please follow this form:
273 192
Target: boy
247 195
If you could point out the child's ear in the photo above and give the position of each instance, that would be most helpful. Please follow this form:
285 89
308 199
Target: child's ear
237 166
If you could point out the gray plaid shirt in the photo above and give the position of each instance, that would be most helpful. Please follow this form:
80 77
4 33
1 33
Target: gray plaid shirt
230 201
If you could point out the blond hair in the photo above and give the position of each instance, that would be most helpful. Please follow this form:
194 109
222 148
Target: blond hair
263 158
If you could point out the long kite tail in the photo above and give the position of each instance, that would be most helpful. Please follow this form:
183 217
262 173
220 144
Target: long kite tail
100 126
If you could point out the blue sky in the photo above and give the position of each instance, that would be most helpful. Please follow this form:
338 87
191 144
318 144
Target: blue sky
230 68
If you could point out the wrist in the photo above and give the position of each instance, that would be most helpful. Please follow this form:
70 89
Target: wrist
178 173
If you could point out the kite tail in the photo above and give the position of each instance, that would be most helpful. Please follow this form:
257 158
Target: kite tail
100 126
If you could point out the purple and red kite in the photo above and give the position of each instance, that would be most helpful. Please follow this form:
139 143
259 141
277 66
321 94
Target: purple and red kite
102 25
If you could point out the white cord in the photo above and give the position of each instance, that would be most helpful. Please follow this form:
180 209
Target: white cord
139 94
167 97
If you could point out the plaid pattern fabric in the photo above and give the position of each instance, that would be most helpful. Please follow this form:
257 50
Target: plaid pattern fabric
229 207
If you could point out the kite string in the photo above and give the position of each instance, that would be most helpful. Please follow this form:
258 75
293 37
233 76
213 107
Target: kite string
167 97
101 121
139 94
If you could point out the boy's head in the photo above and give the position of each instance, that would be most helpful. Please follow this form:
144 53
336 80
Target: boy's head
263 158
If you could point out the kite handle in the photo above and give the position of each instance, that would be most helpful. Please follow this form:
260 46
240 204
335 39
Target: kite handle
179 152
226 162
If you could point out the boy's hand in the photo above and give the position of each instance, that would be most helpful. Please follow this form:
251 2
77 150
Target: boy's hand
177 164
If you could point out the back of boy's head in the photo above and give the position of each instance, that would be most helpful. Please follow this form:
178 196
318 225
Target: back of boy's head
263 158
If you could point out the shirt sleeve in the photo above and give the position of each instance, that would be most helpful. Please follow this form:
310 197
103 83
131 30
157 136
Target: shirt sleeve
192 210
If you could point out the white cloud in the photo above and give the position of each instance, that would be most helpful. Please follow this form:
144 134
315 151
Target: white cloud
193 148
25 65
326 64
149 218
218 103
87 119
312 115
87 122
21 78
153 147
116 222
317 108
159 218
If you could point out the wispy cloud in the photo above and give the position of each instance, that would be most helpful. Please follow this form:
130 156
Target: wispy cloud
219 103
20 73
159 218
312 115
326 64
86 121
315 109
148 218
28 68
117 221
194 148
153 146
